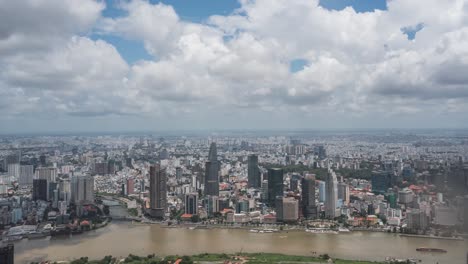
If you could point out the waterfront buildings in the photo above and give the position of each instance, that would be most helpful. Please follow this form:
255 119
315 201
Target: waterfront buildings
191 203
287 209
158 191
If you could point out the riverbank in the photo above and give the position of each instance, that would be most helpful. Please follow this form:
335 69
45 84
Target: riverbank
247 258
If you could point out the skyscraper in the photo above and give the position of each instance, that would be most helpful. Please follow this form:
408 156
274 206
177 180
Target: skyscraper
212 172
253 172
331 194
381 181
158 189
82 189
309 207
40 189
275 184
343 192
26 175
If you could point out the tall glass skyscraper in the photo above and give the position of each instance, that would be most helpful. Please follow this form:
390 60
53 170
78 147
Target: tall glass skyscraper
331 194
275 184
253 172
212 172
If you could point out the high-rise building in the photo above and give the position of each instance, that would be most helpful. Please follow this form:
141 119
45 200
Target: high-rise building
40 189
322 191
82 189
417 220
212 172
294 182
130 186
7 254
211 205
26 175
405 196
253 172
287 209
46 173
381 181
178 173
14 170
465 211
331 195
158 191
309 207
275 185
343 192
264 191
191 203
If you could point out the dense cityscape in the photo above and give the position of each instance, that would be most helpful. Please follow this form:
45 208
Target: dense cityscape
410 183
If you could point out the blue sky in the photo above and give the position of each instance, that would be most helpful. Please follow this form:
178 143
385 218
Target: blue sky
200 10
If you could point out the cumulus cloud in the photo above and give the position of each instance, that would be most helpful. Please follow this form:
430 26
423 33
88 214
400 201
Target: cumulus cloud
358 64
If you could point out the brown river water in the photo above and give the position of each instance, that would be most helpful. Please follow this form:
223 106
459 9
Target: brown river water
121 239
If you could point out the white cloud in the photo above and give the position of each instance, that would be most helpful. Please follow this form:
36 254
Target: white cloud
358 63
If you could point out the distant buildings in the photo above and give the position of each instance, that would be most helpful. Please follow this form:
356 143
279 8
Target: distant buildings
309 208
275 184
130 186
212 172
331 195
254 176
158 191
465 222
417 220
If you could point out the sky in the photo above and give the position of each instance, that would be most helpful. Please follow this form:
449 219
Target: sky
138 65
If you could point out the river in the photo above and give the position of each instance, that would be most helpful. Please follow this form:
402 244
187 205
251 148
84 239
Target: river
122 238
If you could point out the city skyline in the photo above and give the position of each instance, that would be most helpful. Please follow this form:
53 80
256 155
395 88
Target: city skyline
149 65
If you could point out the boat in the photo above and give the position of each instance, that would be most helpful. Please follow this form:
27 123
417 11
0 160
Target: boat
343 230
35 234
436 250
253 231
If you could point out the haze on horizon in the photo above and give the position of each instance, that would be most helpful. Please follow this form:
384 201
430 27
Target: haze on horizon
136 65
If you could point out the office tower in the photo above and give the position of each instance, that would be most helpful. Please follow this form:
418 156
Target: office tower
381 181
242 206
212 172
211 205
82 189
275 184
49 174
65 190
287 209
309 208
331 195
320 152
465 216
101 168
7 254
191 203
158 191
130 186
264 191
40 189
294 182
26 175
405 196
322 191
343 192
14 170
417 220
253 172
52 186
178 173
